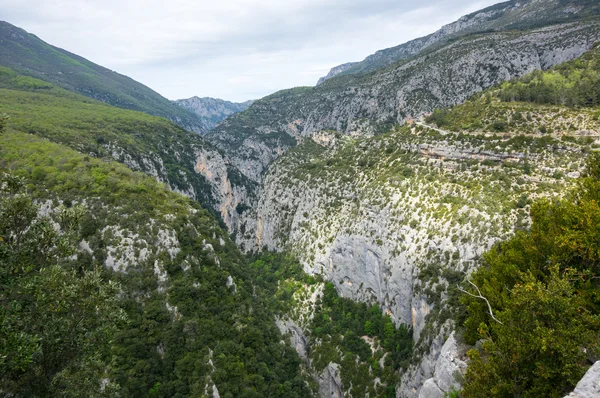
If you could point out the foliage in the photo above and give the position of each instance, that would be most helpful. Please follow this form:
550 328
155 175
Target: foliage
57 321
574 83
150 143
189 328
45 65
343 328
565 99
542 286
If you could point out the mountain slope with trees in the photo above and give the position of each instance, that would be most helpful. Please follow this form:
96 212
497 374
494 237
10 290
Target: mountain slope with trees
112 285
363 105
30 56
145 143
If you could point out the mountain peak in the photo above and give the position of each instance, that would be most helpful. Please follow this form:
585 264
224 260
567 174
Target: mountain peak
514 14
212 111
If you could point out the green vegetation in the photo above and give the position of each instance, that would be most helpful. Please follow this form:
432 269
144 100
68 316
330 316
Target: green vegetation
575 83
32 57
542 286
188 328
358 337
57 320
362 340
149 143
563 100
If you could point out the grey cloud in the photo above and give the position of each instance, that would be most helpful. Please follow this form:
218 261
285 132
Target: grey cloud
236 49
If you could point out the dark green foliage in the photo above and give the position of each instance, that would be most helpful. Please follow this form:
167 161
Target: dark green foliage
177 326
575 83
438 117
57 322
341 322
543 288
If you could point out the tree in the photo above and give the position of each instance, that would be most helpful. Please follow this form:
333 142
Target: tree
542 286
3 122
57 322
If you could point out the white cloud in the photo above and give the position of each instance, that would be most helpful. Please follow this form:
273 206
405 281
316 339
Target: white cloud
232 49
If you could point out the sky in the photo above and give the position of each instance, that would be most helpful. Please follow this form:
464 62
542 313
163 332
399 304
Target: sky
230 49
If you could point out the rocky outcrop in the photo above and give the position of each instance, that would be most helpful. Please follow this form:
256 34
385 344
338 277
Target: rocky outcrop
336 71
298 339
589 385
448 369
212 111
195 169
228 194
330 382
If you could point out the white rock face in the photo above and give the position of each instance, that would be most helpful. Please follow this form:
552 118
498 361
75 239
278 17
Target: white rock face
212 111
330 382
389 239
447 367
215 168
496 17
297 336
589 385
442 77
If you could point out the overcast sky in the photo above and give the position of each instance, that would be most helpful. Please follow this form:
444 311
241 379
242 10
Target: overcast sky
230 49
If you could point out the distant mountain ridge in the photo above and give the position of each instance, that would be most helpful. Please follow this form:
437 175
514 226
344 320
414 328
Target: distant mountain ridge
367 104
31 56
514 14
212 111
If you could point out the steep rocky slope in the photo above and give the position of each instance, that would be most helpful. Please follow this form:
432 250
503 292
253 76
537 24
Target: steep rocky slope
212 111
31 56
194 325
400 218
507 15
336 71
365 105
153 145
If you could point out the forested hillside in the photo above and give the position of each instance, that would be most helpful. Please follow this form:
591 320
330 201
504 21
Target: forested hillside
107 275
424 225
541 326
32 57
144 143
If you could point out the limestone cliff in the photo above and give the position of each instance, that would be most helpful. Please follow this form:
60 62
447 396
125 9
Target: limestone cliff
359 106
212 111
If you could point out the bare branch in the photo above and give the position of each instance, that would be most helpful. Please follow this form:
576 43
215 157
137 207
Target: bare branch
480 296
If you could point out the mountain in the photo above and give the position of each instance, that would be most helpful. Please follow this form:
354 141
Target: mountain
212 111
399 219
30 56
336 71
510 15
153 145
426 229
363 105
113 285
